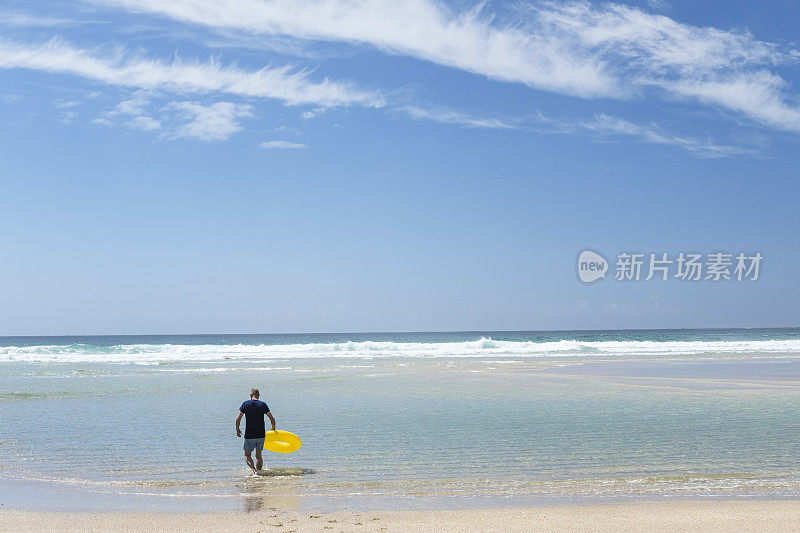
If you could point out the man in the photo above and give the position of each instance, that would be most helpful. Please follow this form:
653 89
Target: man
254 410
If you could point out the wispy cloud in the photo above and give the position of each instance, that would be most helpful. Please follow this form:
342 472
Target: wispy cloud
601 126
144 123
18 19
271 145
313 113
179 119
574 48
609 127
425 29
214 122
132 113
286 84
760 95
658 5
713 66
66 111
135 105
452 116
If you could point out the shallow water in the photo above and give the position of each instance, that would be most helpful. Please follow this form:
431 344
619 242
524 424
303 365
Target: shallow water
401 420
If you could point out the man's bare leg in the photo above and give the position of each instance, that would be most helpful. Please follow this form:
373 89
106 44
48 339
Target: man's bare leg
249 461
259 461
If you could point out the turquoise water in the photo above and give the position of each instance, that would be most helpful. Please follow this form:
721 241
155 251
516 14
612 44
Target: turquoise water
401 420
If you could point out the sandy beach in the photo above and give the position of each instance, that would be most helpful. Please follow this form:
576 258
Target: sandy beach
669 516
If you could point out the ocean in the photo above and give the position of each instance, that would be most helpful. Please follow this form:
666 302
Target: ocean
401 420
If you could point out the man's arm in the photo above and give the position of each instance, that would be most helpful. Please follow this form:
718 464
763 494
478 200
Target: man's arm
239 419
271 419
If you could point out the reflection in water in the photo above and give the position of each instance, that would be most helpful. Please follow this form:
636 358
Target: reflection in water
280 472
274 488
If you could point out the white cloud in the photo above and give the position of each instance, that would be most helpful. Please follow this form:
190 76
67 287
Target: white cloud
19 19
603 123
177 120
724 68
606 125
144 123
658 5
68 116
284 83
66 111
422 28
575 48
214 122
608 128
133 106
758 95
269 145
134 111
280 129
451 116
307 115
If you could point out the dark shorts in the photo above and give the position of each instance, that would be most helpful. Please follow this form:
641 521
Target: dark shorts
253 444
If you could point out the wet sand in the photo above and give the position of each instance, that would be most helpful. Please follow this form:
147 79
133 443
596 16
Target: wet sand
665 516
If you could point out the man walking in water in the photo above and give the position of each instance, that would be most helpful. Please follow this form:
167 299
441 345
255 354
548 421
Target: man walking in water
254 410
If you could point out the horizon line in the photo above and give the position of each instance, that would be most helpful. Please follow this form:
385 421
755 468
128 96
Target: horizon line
729 328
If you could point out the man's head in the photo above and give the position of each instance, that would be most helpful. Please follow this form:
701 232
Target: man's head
254 393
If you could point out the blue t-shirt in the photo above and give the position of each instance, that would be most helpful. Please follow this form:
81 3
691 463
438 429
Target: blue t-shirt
254 412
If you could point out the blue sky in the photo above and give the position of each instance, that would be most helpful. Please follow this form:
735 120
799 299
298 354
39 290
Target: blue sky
201 166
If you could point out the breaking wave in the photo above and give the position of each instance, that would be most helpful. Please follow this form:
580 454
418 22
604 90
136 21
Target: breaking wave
483 347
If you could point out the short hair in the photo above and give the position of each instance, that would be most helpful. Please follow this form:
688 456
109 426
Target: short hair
254 392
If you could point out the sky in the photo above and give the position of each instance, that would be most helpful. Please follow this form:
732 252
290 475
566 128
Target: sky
257 166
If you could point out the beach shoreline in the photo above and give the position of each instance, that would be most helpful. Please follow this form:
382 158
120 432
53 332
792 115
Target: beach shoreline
657 516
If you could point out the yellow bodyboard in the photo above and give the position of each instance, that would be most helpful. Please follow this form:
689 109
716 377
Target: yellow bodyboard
282 442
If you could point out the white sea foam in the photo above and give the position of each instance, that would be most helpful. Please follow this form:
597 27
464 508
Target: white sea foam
484 347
